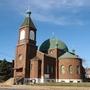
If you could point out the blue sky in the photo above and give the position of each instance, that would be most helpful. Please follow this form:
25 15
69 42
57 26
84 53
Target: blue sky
69 20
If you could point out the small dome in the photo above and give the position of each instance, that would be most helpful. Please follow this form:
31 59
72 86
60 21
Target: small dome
68 55
52 44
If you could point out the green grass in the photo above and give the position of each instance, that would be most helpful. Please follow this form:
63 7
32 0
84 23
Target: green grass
64 84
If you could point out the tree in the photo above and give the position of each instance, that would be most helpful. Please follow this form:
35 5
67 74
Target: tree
5 70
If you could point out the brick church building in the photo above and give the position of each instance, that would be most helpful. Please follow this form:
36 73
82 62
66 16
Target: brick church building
52 62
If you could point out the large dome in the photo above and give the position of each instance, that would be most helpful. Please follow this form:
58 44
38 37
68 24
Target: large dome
52 44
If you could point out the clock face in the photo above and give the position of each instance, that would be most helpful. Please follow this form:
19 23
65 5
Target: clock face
32 35
22 35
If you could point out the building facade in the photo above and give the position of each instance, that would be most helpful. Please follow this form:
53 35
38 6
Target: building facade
52 62
87 70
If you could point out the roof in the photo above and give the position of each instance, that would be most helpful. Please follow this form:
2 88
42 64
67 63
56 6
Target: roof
52 44
28 22
68 55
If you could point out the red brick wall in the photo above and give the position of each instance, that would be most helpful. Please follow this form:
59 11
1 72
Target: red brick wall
66 63
34 69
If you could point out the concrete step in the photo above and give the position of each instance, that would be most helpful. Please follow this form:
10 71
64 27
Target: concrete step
9 81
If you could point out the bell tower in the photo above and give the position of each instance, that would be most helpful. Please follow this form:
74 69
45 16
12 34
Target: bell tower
27 35
26 48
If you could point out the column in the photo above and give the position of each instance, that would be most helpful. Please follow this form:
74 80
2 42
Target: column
42 71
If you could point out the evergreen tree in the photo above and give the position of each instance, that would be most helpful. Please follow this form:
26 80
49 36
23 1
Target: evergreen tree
5 70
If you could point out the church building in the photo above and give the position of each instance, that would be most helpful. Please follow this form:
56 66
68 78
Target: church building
52 62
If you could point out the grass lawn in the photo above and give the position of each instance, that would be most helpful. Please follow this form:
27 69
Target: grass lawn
64 84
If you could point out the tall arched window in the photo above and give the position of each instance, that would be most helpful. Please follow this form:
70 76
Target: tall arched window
47 68
20 56
70 69
32 35
22 35
52 69
78 69
62 69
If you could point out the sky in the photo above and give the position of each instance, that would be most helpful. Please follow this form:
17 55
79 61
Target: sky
67 20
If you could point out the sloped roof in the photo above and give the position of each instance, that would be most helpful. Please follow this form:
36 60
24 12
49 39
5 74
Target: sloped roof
68 55
28 22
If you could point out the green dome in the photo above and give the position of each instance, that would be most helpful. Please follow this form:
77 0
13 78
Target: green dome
52 44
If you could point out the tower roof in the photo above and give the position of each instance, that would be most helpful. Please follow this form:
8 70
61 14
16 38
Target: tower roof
52 44
28 21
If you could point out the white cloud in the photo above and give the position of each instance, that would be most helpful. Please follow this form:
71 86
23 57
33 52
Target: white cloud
51 4
58 20
51 10
47 4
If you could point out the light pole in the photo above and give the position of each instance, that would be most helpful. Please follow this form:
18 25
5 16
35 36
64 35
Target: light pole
56 61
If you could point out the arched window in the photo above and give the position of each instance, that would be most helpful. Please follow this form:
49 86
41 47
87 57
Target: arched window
78 69
47 68
20 56
22 35
32 35
52 69
70 69
62 69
